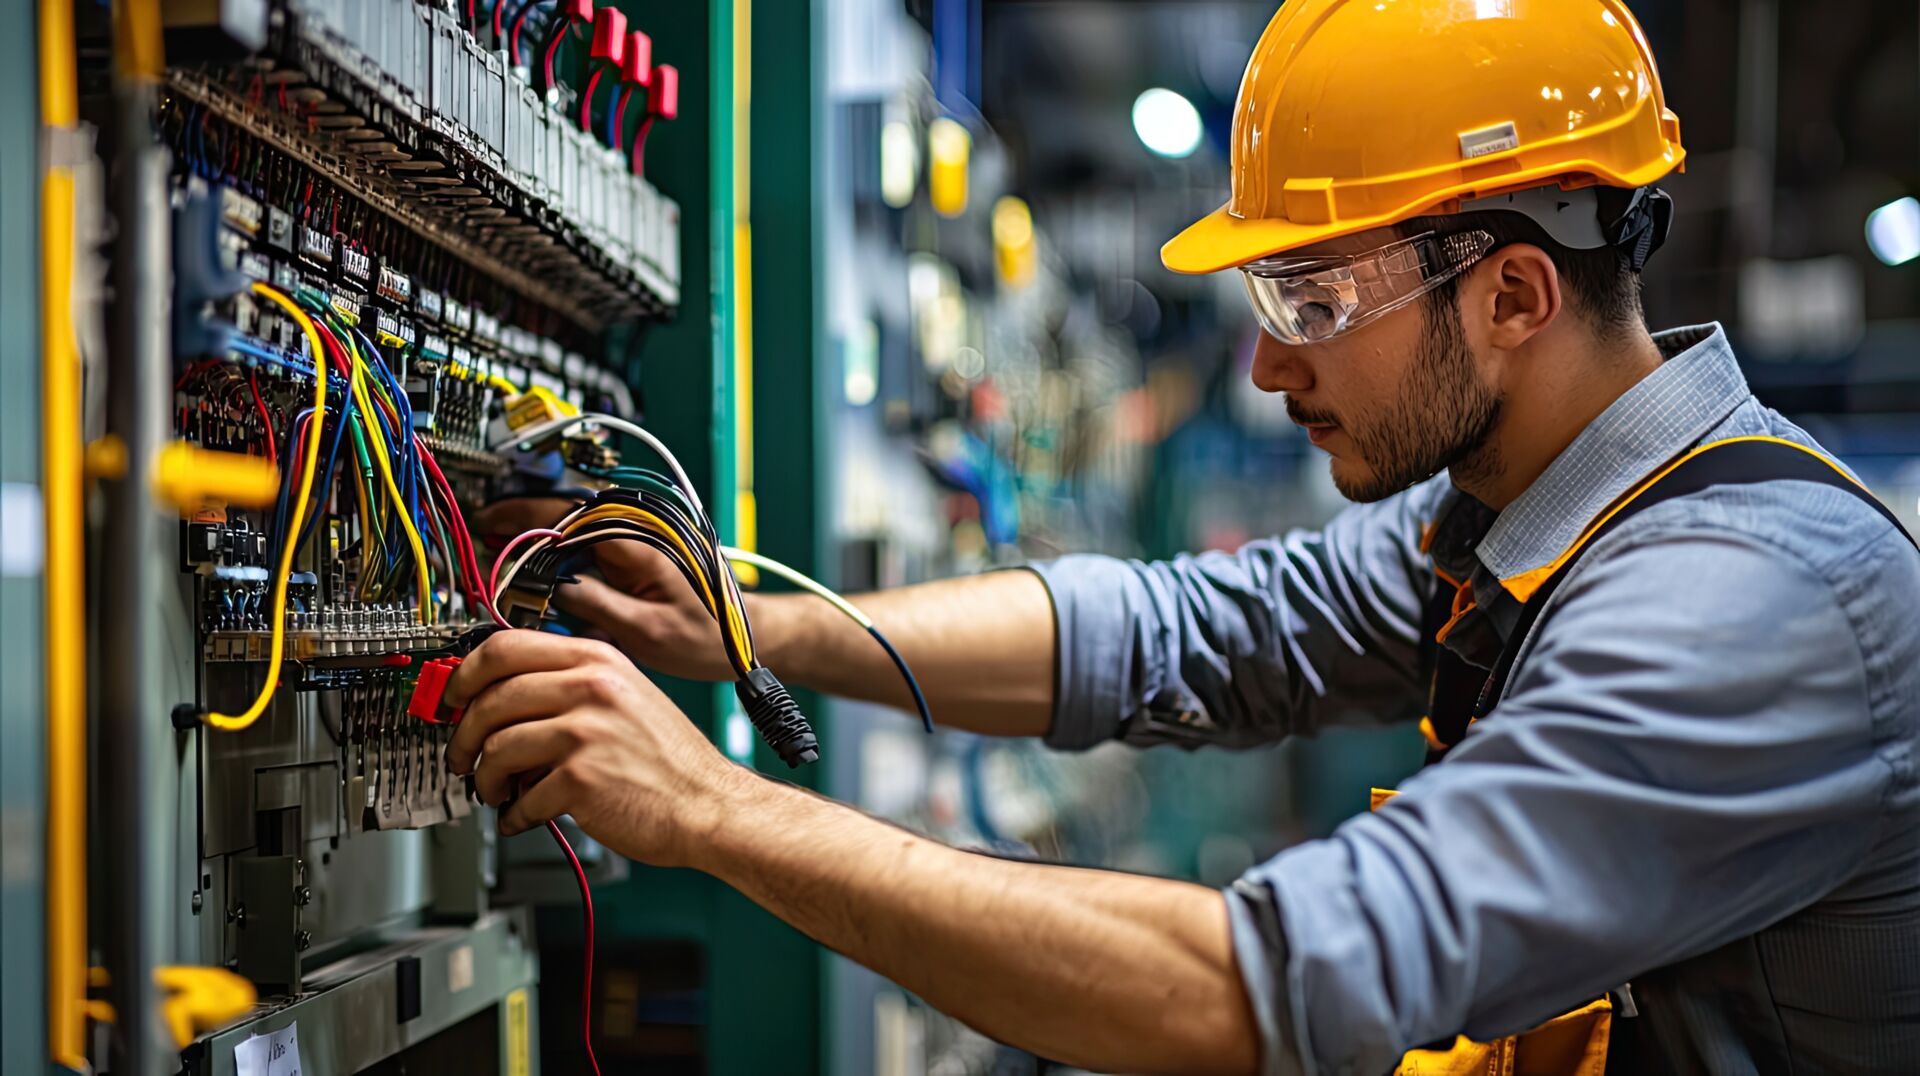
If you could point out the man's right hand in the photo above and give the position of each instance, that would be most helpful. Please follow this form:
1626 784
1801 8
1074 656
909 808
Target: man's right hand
641 602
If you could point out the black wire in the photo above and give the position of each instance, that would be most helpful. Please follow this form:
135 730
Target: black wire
624 530
913 685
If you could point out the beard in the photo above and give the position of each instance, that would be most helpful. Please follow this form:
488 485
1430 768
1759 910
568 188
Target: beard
1442 418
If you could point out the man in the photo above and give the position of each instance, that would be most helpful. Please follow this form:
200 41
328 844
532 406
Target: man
1691 786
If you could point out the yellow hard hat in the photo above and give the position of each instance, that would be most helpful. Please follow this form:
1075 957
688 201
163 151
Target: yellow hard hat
1355 114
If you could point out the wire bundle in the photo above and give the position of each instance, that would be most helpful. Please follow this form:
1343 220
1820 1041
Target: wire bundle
663 512
402 500
665 517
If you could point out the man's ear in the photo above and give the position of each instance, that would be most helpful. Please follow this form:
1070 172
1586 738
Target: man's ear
1515 293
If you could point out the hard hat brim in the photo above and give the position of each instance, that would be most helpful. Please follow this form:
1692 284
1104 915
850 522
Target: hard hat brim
1221 240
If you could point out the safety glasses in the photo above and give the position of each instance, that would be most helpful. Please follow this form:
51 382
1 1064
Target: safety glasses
1309 300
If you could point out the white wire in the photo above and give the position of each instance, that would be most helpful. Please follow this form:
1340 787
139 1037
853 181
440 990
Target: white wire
612 422
768 564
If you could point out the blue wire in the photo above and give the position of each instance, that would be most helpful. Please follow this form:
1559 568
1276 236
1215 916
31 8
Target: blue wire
409 464
913 685
613 114
286 485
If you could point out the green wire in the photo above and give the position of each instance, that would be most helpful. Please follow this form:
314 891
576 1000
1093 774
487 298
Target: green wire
446 557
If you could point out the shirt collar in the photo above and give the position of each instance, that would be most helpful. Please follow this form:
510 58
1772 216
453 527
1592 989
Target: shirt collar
1652 422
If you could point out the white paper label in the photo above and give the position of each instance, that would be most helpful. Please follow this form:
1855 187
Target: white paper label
276 1053
459 969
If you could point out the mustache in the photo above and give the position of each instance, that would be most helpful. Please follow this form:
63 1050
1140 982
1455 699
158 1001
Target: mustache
1308 417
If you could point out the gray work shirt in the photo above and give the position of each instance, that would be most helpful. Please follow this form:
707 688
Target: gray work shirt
1704 776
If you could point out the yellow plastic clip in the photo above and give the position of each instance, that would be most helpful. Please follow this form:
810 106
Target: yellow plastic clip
536 405
201 999
197 999
188 477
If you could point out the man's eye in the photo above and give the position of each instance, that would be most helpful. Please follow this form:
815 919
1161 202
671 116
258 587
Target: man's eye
1316 319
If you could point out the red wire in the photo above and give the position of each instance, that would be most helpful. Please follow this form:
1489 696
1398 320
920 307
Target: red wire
639 166
553 47
620 128
462 538
586 102
493 577
586 976
266 422
513 39
299 452
498 6
198 367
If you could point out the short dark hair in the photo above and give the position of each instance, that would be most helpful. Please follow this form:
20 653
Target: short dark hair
1602 284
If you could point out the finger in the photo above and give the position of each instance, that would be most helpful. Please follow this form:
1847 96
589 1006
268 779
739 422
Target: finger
516 752
506 703
594 602
509 516
513 653
542 802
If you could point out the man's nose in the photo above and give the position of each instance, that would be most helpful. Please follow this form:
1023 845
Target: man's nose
1279 368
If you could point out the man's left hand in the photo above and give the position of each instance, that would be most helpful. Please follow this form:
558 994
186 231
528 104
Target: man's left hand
556 725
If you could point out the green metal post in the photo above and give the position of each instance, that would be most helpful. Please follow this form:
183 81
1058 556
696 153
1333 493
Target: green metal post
23 949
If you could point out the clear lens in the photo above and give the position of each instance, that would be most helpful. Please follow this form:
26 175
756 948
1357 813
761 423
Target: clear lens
1308 300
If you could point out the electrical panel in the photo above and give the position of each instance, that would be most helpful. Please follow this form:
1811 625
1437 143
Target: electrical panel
391 255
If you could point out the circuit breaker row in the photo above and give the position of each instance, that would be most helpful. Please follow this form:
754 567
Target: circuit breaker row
407 111
421 62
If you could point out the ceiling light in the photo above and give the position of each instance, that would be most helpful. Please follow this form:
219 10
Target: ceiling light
1167 123
1893 231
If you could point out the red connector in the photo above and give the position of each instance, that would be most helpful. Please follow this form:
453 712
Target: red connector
636 69
663 103
426 703
608 49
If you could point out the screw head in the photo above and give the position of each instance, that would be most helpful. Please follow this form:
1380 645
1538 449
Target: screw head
302 941
303 895
199 900
237 914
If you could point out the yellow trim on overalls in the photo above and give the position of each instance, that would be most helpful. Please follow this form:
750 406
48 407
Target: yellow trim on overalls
1523 586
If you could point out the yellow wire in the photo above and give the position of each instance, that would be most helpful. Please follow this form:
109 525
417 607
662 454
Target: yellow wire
235 722
735 621
359 388
366 536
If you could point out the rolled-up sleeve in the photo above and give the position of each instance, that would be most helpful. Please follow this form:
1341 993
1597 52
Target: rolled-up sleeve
1282 636
1663 777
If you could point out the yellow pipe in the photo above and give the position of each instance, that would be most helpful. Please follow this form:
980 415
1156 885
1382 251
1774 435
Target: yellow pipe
65 579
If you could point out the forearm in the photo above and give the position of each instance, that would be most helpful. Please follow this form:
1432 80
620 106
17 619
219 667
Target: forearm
1103 970
982 648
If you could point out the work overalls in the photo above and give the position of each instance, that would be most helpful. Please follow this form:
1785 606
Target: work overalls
1584 1041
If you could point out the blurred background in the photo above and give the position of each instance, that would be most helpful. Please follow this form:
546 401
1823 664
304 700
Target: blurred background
955 349
1012 375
